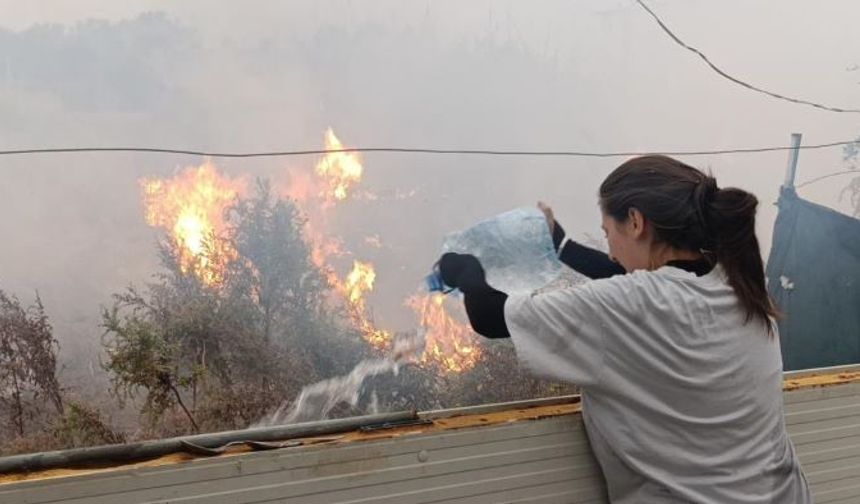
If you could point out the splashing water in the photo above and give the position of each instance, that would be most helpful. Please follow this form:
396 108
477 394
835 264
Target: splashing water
316 401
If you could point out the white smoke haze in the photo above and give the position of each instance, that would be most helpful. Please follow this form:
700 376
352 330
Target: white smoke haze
587 75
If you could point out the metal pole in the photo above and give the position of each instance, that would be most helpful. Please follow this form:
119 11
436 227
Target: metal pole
791 169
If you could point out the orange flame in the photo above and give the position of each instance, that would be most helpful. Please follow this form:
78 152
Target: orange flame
359 281
334 176
190 207
450 344
339 170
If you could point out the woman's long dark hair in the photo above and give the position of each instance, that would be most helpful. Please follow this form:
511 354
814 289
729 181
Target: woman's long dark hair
689 212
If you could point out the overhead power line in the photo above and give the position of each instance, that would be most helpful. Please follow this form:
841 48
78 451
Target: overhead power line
735 79
827 176
417 150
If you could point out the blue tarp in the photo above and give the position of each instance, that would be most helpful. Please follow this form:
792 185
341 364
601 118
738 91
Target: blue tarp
814 277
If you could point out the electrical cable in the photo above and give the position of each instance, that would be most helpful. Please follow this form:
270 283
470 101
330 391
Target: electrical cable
827 176
735 79
417 150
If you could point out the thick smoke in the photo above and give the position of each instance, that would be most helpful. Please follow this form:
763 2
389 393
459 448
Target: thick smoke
587 75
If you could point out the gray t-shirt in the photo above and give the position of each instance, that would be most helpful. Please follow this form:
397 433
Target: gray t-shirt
682 398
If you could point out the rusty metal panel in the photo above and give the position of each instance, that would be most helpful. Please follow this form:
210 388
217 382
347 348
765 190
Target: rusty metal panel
547 457
515 453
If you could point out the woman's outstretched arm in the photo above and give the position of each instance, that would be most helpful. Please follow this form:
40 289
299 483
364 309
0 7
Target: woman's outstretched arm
485 305
584 260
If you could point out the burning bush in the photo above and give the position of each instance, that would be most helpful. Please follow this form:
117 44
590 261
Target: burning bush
224 352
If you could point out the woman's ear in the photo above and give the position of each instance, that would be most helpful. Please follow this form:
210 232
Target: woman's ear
635 223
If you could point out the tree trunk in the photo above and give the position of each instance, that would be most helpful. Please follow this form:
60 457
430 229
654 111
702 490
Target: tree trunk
182 405
57 399
19 414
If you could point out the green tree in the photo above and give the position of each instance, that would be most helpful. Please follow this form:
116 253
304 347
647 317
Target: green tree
273 273
144 349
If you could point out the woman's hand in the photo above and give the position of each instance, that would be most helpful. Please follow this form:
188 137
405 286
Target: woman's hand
550 217
462 271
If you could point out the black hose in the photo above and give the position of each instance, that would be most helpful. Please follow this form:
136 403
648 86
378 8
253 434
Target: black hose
112 454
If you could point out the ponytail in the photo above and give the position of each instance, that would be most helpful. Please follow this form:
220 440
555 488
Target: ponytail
730 216
689 212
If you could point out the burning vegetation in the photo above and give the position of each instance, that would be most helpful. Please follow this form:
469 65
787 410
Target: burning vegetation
192 209
257 298
450 343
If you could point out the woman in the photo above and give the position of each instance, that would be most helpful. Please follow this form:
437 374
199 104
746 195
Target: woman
678 360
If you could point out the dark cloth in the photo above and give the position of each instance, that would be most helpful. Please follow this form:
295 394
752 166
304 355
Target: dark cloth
588 261
485 305
813 276
486 311
584 260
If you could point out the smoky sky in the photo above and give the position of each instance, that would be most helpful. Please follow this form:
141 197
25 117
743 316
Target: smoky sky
563 75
